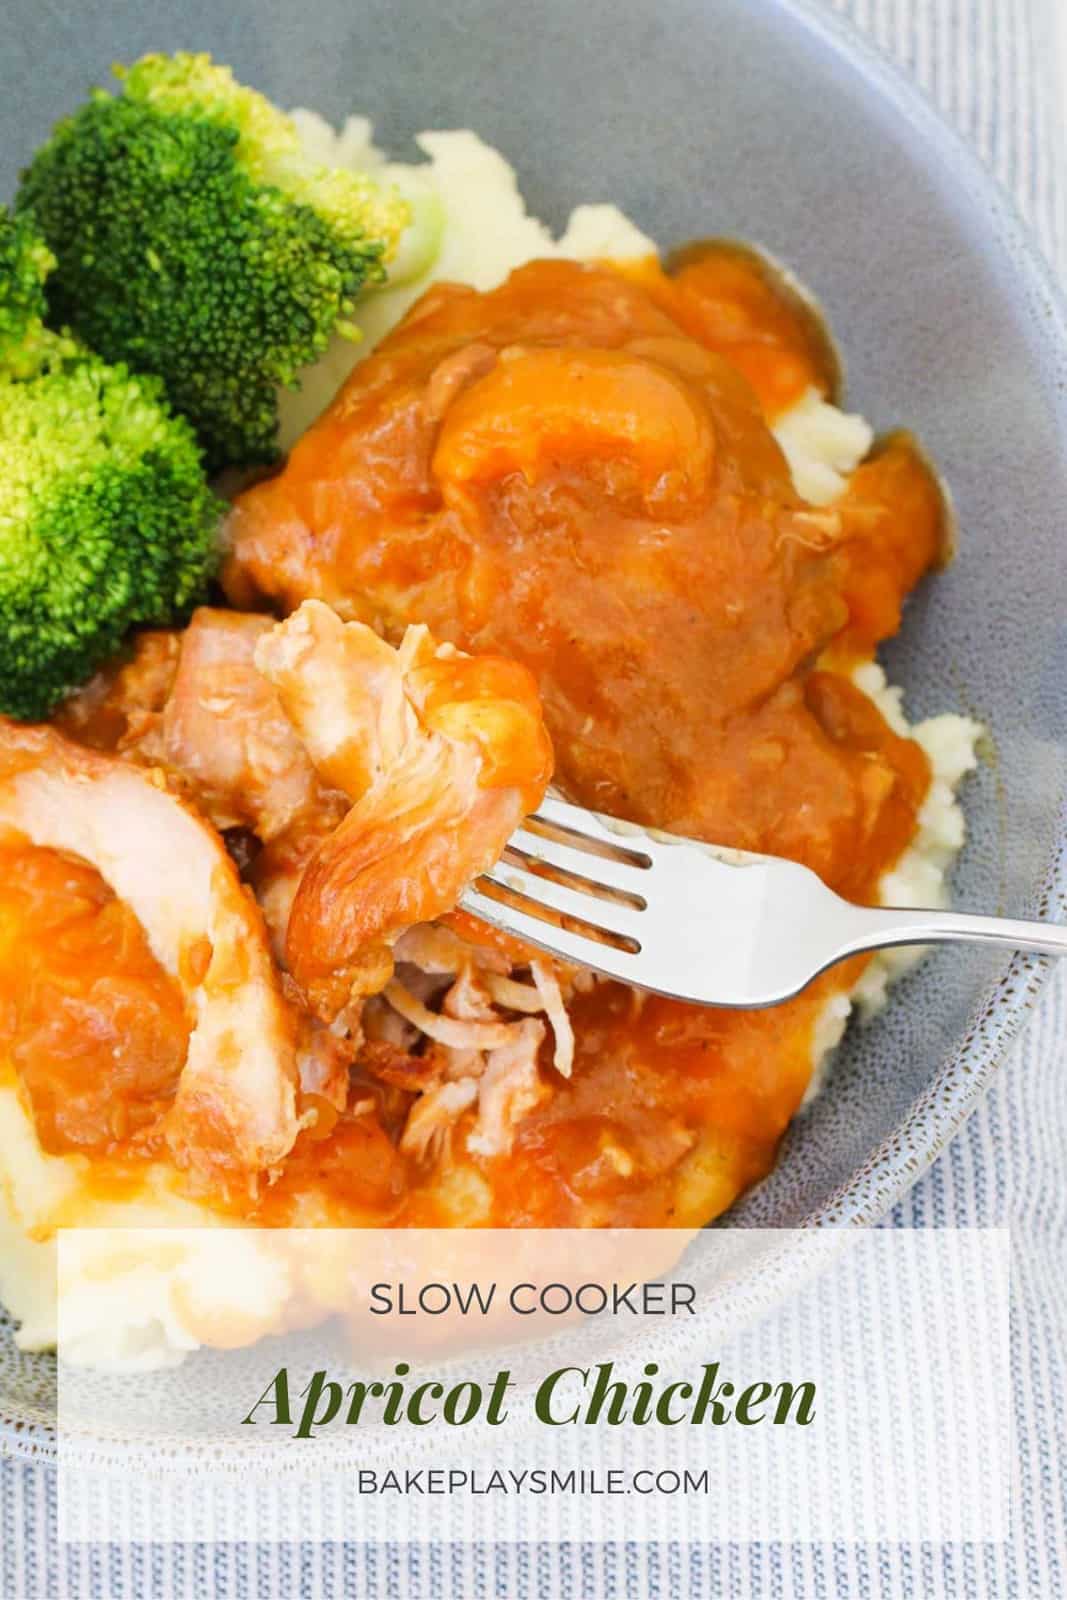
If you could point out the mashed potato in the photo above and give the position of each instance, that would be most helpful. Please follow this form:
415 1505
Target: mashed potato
471 226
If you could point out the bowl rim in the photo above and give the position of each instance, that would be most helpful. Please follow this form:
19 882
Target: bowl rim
938 1113
1008 1001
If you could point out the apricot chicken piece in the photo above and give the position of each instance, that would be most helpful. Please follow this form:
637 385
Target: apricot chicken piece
571 470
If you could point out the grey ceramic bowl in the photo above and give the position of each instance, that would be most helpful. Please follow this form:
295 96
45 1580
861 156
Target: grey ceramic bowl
768 120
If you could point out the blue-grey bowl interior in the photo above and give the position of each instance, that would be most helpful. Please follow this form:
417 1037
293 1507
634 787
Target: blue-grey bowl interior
769 120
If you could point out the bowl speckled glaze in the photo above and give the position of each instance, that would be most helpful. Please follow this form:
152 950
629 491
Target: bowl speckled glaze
769 120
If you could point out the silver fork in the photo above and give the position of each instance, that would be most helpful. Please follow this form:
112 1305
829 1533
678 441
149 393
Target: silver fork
689 920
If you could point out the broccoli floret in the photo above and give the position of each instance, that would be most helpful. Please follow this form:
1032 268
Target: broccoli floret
195 242
106 518
25 262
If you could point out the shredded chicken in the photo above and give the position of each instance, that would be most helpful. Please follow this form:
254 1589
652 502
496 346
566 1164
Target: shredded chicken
416 1074
508 1090
224 729
515 996
235 1105
472 1046
382 1024
433 1116
441 755
468 999
325 1055
552 1000
454 1032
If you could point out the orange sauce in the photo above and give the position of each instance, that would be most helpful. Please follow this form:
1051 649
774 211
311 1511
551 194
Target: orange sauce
94 1026
494 703
733 300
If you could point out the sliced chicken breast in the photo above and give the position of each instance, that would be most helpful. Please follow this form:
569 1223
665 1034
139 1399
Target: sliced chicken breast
236 1102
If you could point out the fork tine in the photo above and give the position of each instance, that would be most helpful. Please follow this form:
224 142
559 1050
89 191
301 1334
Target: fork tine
611 915
587 824
573 947
624 877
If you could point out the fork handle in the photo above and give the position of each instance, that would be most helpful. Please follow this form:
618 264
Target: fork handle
885 926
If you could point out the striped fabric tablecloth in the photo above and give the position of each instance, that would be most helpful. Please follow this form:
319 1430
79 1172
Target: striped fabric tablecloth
997 68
